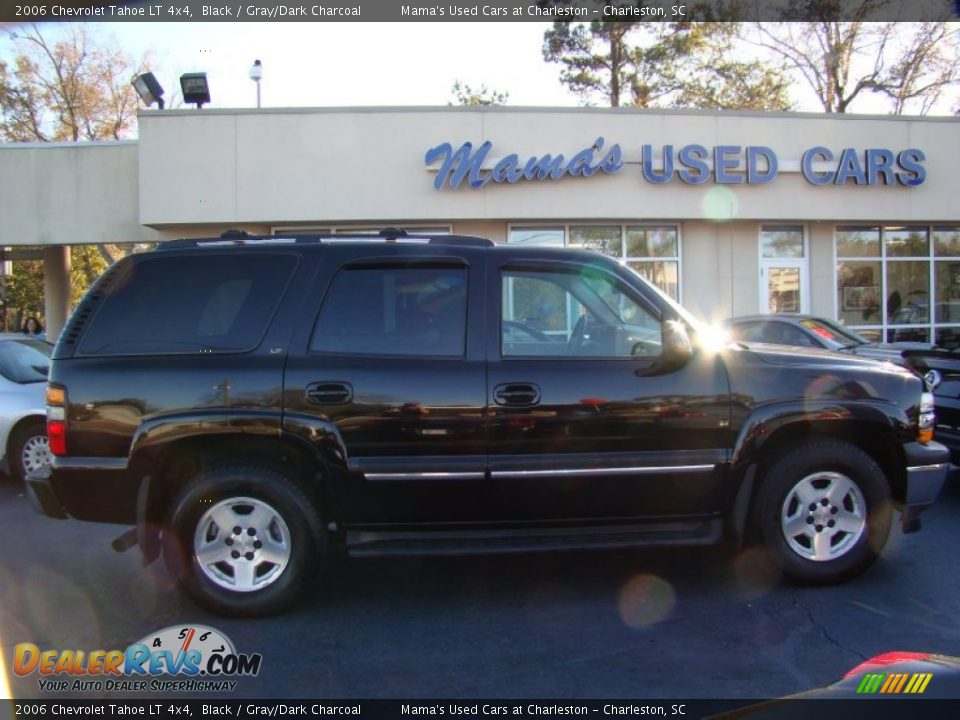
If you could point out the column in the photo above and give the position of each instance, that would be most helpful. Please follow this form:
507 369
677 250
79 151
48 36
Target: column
56 286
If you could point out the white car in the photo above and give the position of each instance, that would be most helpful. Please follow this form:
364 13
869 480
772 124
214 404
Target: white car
24 362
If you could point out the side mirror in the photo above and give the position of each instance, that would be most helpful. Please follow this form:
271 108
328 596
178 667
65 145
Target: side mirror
677 347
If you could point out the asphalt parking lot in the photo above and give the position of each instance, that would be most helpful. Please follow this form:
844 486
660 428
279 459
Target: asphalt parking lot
645 625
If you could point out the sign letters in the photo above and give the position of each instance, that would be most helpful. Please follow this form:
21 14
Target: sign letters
689 164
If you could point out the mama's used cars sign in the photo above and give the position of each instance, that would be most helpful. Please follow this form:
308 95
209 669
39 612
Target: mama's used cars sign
692 164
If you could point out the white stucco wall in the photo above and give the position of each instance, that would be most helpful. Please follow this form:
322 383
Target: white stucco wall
70 193
354 165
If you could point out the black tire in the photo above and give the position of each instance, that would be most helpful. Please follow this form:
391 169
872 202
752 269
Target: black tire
30 437
230 488
806 539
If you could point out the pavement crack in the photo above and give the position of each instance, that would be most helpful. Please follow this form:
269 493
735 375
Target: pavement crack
823 628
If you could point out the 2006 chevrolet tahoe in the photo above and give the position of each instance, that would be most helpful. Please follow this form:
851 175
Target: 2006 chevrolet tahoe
247 402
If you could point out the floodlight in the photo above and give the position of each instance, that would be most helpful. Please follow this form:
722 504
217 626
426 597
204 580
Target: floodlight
195 89
148 88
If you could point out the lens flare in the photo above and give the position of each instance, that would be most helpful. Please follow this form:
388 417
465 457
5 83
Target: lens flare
713 338
720 204
755 574
646 600
5 692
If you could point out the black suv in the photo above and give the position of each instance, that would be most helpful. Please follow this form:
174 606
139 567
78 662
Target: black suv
247 403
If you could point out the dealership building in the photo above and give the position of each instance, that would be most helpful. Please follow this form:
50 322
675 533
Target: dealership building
847 216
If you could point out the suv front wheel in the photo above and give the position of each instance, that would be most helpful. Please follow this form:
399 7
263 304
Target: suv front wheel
242 540
823 511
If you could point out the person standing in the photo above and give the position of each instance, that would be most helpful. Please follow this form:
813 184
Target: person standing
33 328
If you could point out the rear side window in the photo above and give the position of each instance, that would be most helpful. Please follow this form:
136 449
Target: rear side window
415 311
215 303
753 332
25 361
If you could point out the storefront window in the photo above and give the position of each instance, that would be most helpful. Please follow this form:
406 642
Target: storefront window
858 292
858 242
946 241
906 241
946 291
781 242
358 229
606 240
890 284
552 236
652 242
652 250
662 273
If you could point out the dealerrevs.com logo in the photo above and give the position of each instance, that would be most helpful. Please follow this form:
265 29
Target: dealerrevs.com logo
181 658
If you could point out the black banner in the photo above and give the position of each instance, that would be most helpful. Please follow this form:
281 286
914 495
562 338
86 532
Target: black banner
472 10
801 709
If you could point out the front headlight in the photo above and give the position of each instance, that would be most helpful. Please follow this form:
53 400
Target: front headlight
927 418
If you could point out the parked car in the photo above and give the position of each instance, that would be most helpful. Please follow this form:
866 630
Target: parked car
940 367
816 332
24 362
246 403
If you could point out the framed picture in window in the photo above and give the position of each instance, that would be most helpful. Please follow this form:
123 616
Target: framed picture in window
861 297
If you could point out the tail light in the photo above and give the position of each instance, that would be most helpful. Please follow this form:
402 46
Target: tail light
927 418
57 419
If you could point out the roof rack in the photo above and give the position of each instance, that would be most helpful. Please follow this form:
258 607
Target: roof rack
389 235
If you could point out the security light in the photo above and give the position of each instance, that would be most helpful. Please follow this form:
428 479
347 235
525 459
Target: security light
256 73
195 89
148 88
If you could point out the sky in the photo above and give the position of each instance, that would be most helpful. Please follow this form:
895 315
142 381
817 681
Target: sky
347 64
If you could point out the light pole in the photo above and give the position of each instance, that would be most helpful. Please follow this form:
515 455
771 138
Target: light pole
256 72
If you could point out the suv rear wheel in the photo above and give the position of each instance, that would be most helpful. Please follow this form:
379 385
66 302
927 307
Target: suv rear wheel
242 540
823 511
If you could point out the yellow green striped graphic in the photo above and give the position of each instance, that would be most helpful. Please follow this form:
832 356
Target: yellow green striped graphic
894 683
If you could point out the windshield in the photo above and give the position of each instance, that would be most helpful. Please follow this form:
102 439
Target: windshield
25 361
834 332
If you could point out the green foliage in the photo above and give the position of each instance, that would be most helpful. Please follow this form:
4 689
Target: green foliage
466 95
86 265
649 64
23 292
726 85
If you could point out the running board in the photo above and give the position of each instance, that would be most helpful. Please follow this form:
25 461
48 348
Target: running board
475 542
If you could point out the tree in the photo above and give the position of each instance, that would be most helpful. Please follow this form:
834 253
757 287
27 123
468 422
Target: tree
23 293
735 85
595 57
77 88
647 64
23 289
910 63
466 95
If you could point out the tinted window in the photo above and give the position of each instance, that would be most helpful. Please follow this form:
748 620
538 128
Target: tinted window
586 314
751 332
419 311
778 333
834 333
790 335
25 361
187 304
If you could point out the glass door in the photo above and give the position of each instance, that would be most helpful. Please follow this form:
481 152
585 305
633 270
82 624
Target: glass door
783 270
